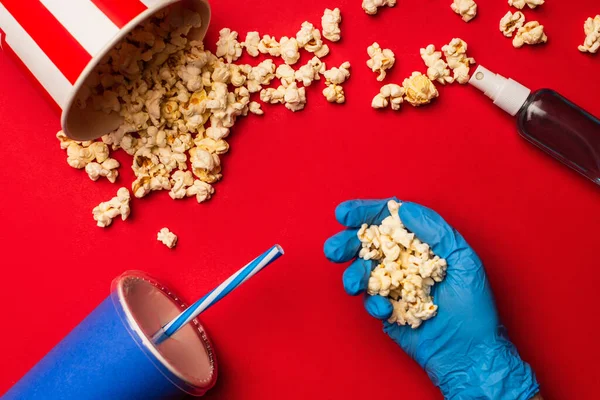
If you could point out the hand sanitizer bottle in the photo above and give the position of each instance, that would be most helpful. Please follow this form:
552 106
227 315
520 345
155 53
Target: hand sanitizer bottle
547 120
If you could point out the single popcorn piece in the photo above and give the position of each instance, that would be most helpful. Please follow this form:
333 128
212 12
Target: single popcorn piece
467 9
285 74
269 45
456 57
289 50
311 71
371 6
228 45
104 213
167 238
107 169
380 60
592 32
337 76
254 108
389 94
260 75
273 95
251 43
406 268
419 89
531 33
511 22
180 181
202 190
520 4
334 93
294 97
437 68
309 38
330 22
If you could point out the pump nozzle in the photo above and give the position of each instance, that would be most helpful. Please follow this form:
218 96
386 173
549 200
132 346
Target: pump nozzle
507 94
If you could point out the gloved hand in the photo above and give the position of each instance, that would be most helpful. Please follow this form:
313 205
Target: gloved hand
464 349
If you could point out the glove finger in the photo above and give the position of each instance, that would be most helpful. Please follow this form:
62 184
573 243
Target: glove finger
343 246
354 213
356 276
444 240
378 307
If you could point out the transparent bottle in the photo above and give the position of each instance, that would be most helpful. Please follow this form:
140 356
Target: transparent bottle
547 120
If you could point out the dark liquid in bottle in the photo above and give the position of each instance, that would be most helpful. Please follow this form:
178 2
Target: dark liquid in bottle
563 130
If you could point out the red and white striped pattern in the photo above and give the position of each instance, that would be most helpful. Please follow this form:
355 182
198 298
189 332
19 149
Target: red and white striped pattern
56 39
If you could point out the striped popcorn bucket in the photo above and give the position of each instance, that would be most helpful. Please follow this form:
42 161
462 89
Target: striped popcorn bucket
60 42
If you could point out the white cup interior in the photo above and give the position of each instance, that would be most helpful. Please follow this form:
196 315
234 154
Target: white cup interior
88 124
187 354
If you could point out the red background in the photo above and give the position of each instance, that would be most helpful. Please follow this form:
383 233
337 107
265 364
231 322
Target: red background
292 332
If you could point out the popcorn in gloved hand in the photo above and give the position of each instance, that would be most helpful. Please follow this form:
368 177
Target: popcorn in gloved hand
437 68
228 45
456 57
167 238
371 6
334 93
105 212
530 33
592 32
407 269
511 22
108 169
419 89
285 74
251 43
521 3
380 60
330 22
309 38
294 97
467 9
289 50
337 76
389 94
269 45
310 71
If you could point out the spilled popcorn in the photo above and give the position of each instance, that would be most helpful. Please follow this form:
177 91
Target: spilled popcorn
511 22
419 89
105 212
390 94
530 33
467 9
591 29
167 238
520 4
456 57
407 268
380 60
437 68
330 22
372 6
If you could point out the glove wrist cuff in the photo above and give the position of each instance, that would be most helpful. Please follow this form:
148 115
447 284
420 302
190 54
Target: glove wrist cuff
493 371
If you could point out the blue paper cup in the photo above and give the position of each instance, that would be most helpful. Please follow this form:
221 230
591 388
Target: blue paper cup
109 355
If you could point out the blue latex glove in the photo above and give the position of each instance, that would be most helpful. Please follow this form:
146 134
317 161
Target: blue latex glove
464 349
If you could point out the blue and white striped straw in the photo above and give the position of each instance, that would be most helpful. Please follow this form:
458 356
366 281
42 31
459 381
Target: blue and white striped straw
218 293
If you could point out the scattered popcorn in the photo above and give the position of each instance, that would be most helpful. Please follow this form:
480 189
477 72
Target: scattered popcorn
294 98
167 238
228 46
289 50
511 22
407 268
310 72
261 75
419 89
202 190
285 74
381 60
79 156
437 68
371 6
273 95
530 33
592 31
269 45
456 57
251 43
180 181
107 169
521 3
389 94
467 9
104 213
254 108
334 93
337 76
309 38
330 22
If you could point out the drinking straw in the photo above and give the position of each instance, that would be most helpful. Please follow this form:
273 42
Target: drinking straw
217 293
